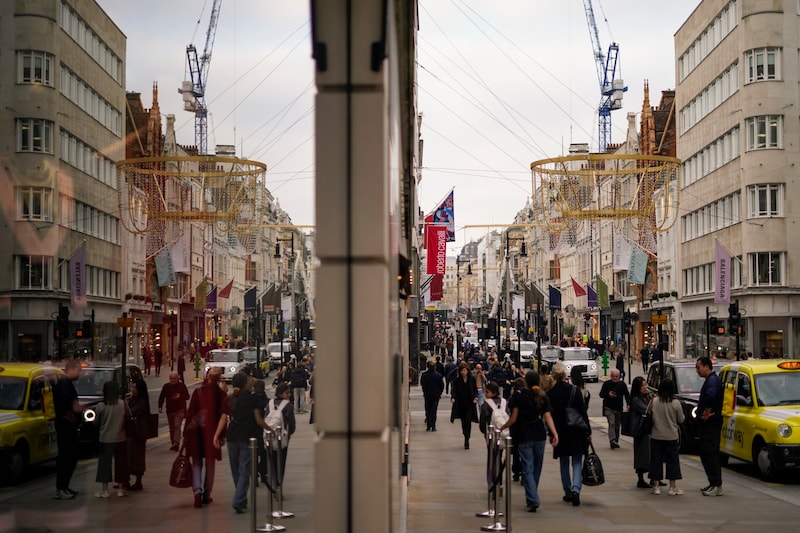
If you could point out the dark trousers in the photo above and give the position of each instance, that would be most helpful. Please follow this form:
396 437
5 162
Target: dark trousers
466 427
709 451
67 460
664 452
431 406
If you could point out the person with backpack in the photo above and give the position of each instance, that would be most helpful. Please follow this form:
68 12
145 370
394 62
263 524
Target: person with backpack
432 384
281 422
531 419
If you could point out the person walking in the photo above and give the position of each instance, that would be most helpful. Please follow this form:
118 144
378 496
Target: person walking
640 399
576 378
464 398
709 413
139 405
299 381
175 394
158 359
110 417
664 445
531 417
243 415
202 418
480 383
68 409
147 357
573 443
620 363
644 355
613 392
181 365
432 384
288 424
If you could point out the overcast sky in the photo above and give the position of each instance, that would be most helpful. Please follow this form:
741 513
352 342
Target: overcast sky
501 84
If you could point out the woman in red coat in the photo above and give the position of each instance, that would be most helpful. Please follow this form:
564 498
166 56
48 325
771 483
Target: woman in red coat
202 417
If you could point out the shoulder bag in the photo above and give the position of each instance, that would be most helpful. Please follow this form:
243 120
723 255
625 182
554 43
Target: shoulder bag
575 419
181 474
592 471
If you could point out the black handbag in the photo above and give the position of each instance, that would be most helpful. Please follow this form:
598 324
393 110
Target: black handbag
646 425
631 423
575 419
592 471
152 425
181 474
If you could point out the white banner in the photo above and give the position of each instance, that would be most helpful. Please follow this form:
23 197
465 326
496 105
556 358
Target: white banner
622 251
638 267
180 253
286 308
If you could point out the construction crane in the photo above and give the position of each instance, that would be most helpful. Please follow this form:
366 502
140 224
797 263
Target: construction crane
611 88
194 91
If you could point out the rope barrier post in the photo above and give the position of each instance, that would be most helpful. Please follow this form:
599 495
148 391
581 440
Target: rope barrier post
490 512
498 461
269 526
280 513
507 448
253 478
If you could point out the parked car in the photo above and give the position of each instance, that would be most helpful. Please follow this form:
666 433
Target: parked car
550 356
27 417
278 351
584 358
761 421
687 384
527 353
231 360
90 392
256 366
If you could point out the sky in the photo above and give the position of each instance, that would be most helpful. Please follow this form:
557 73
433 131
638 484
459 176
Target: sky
501 84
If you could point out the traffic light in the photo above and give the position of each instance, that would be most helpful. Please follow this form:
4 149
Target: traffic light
734 319
62 322
85 331
712 324
629 317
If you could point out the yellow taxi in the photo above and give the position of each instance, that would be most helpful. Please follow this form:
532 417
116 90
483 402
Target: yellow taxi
761 414
27 417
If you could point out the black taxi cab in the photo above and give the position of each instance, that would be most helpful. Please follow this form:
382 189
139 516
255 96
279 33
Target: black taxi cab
27 417
761 414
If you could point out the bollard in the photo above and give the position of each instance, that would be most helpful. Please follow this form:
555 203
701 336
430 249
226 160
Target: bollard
497 457
507 450
491 467
280 513
253 478
269 526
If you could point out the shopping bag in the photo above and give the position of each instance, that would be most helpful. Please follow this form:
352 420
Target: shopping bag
181 474
631 423
152 425
592 469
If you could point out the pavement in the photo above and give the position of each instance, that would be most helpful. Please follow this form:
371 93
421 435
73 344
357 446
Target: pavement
445 489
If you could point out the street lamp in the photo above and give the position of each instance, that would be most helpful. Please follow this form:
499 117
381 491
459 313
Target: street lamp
523 252
460 260
289 285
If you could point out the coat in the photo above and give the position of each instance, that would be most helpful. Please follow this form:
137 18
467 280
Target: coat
464 392
202 417
570 441
641 444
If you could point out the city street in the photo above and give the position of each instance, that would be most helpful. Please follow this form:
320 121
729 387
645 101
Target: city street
446 488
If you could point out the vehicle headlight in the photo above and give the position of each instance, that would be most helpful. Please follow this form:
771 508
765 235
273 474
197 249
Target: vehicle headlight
694 412
233 369
89 415
207 369
594 366
784 430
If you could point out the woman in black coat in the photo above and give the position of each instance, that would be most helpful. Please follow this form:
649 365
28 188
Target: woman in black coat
464 397
573 444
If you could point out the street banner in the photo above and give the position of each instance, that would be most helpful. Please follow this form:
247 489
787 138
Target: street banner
602 293
436 287
579 291
591 296
164 269
722 290
180 253
77 277
226 290
437 250
211 299
638 267
250 298
555 298
286 309
425 229
200 294
622 251
445 214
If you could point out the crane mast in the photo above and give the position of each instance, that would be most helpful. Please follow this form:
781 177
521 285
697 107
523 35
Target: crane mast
611 88
194 90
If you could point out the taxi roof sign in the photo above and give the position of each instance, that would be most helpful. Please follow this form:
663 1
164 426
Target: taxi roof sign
789 365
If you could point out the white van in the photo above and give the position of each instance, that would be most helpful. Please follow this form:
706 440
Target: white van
276 351
527 349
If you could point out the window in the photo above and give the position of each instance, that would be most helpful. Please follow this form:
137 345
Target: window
34 135
765 200
34 203
35 67
33 271
763 64
765 131
767 268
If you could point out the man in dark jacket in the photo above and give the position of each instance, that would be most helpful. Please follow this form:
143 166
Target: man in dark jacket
67 408
175 394
432 384
613 392
709 412
299 381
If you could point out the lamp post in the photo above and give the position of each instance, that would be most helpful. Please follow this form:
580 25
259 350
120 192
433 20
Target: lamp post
289 284
459 261
523 252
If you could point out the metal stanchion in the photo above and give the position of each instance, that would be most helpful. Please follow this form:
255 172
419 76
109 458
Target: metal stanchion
280 513
507 449
491 468
253 478
269 526
499 526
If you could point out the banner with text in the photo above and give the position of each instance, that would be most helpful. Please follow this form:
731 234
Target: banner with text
722 291
77 277
437 249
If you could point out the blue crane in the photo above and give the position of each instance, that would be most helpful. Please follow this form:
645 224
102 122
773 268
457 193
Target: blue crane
194 91
611 88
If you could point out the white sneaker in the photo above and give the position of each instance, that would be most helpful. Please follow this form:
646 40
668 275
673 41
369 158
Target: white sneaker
121 493
713 491
101 494
656 490
675 492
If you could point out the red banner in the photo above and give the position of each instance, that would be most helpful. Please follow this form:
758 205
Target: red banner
437 249
437 287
